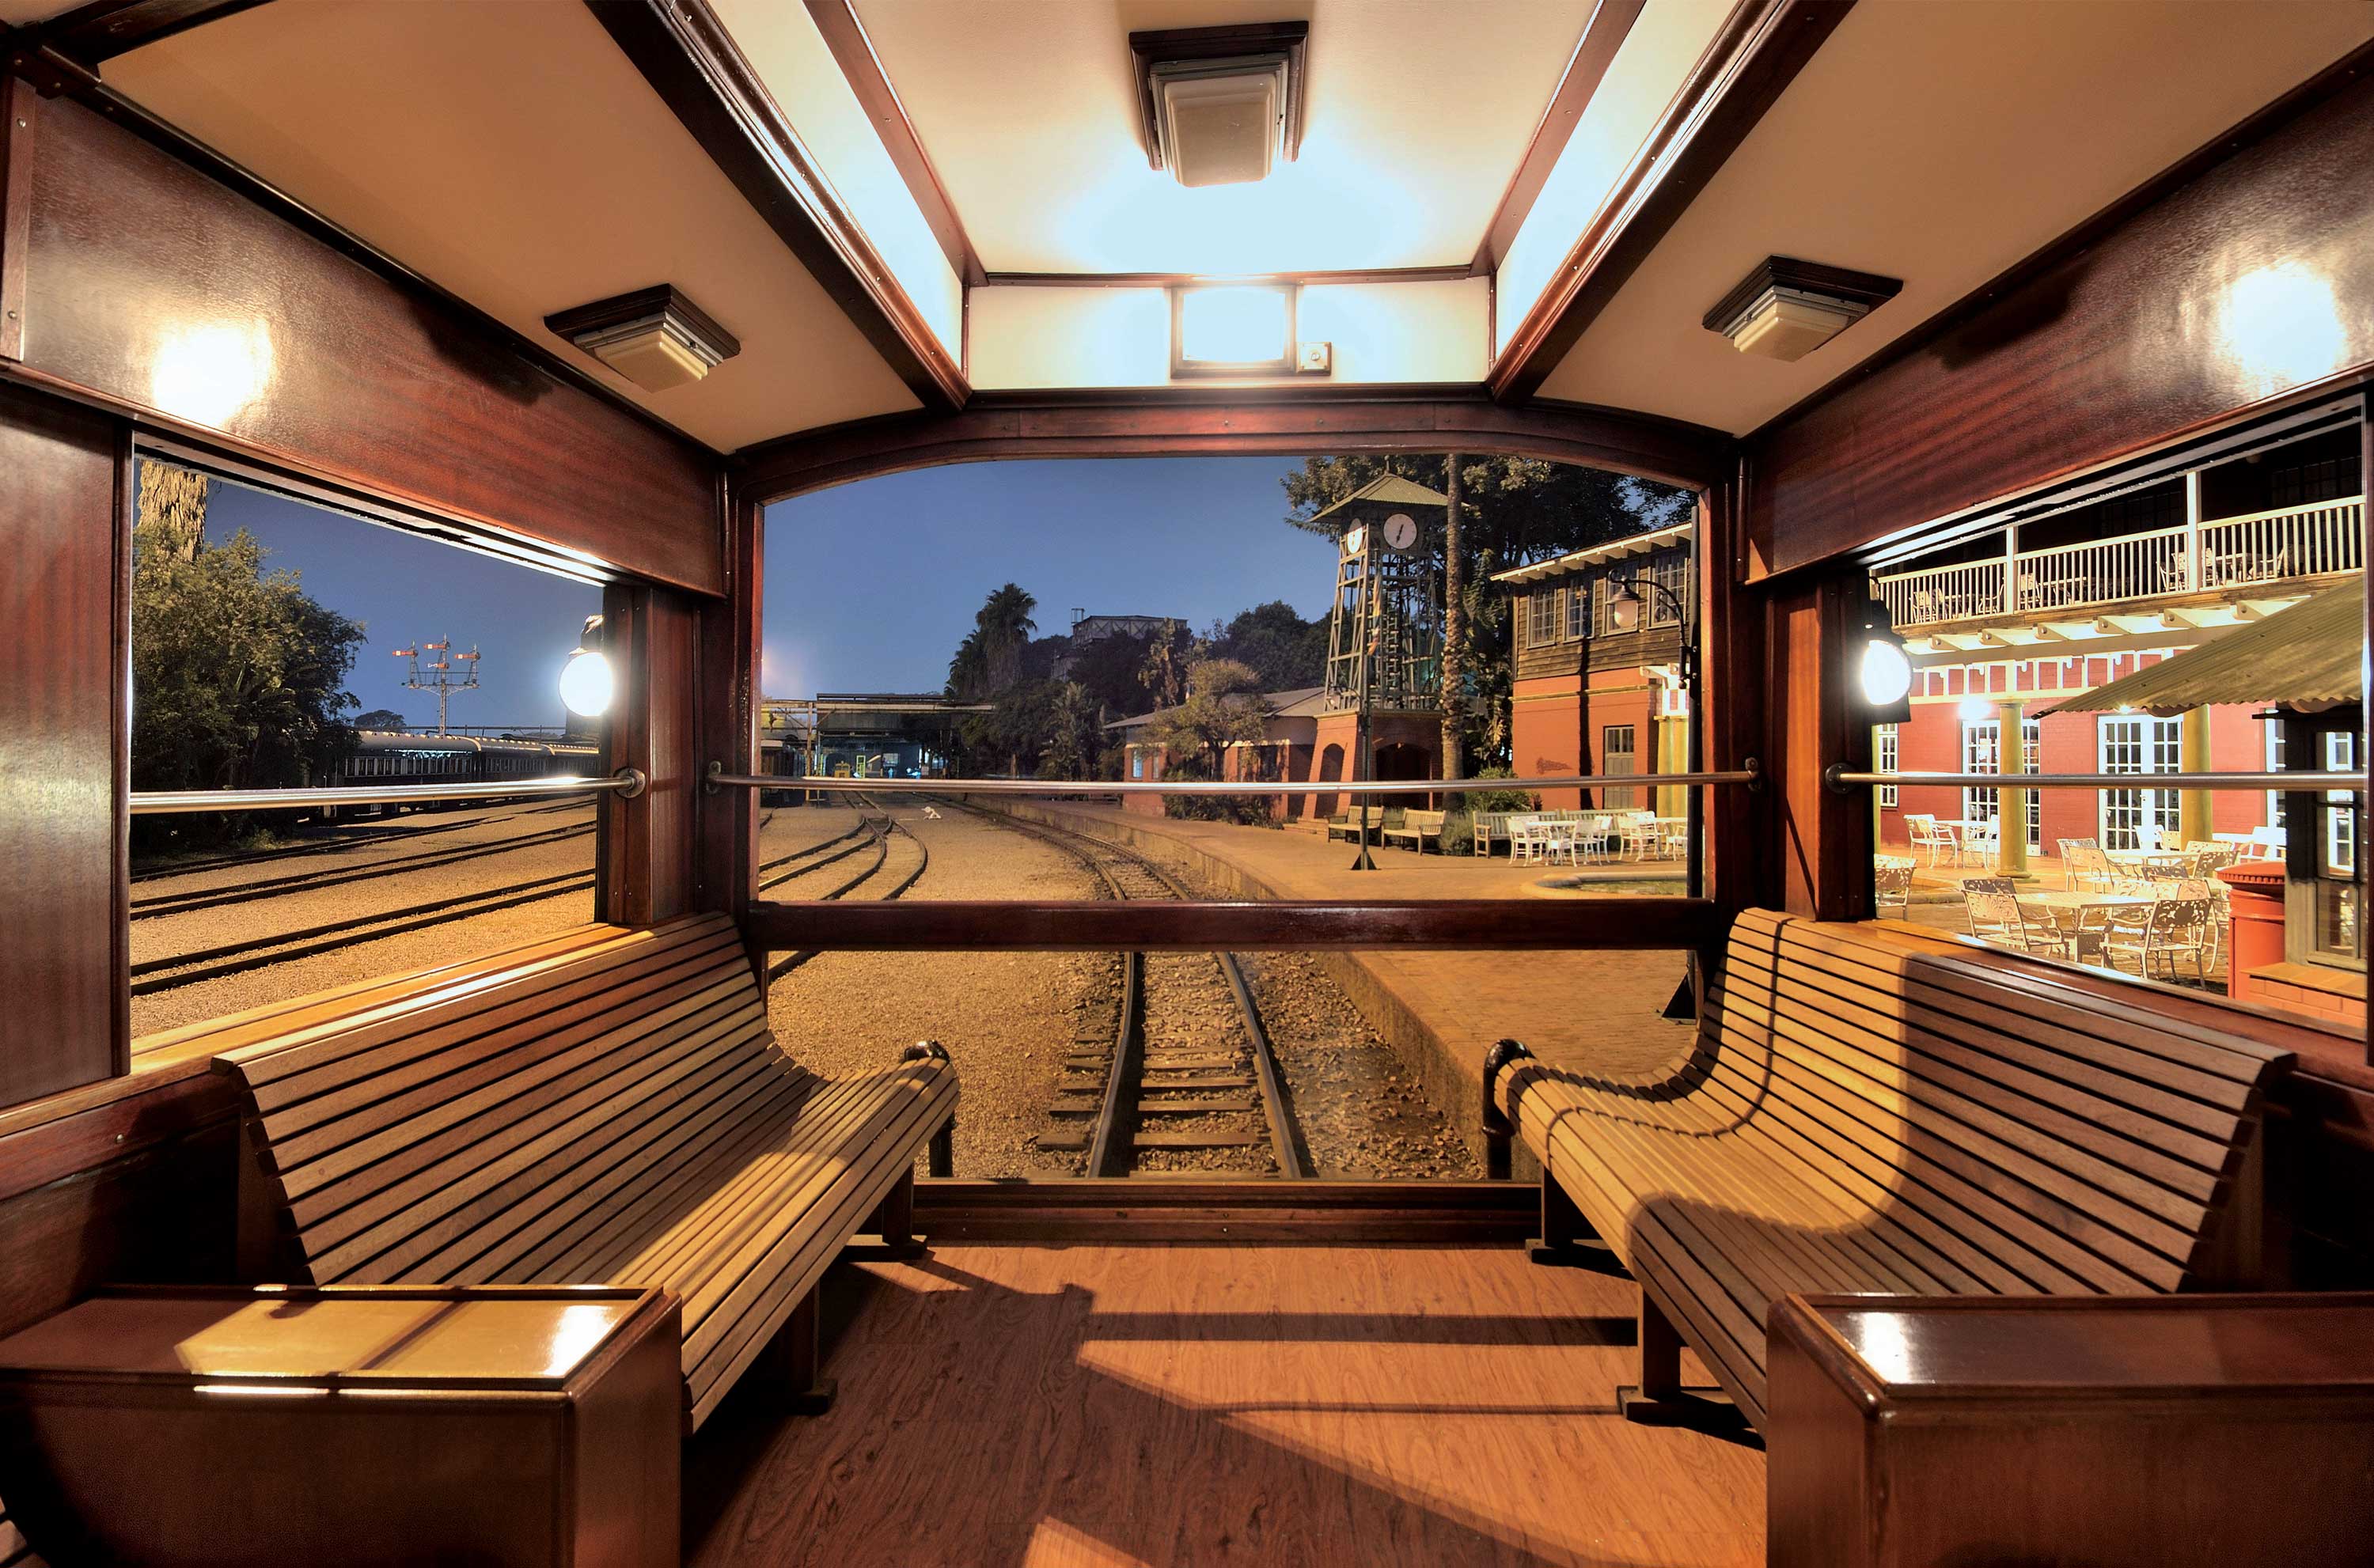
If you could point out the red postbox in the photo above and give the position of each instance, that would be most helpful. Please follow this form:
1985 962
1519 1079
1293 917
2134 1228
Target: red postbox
2257 902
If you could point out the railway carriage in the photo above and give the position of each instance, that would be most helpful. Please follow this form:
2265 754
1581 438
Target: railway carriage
1903 1248
385 758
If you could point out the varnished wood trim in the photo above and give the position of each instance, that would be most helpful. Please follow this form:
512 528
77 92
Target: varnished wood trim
1611 22
19 119
1178 421
254 188
70 1134
687 55
853 52
1123 1209
1487 925
1173 279
2255 127
1910 436
1149 49
105 28
1756 54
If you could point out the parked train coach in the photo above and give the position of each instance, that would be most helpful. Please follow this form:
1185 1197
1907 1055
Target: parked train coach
384 758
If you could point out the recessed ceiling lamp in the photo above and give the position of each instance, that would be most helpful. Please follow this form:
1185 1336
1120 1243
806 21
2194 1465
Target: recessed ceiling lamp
656 337
1220 105
1785 309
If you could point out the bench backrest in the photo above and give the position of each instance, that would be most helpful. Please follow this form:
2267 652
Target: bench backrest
2033 1133
1424 822
483 1131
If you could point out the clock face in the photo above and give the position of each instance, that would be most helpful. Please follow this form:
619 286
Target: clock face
1401 531
1352 541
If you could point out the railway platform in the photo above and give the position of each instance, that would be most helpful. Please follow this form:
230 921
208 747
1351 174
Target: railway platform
1603 1013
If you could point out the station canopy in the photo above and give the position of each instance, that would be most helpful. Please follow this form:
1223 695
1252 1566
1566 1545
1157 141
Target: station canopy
2307 658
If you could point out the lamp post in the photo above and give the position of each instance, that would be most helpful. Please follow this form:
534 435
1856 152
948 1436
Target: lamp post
1623 610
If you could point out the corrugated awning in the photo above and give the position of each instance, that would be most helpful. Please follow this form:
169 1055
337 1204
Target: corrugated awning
1598 555
2307 657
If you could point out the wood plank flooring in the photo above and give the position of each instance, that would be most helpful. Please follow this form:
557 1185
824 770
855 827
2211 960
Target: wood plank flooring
1243 1404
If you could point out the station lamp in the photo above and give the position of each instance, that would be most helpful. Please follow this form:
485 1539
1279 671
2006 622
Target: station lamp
1885 668
587 684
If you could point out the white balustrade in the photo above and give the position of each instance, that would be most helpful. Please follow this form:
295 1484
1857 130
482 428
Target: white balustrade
2291 542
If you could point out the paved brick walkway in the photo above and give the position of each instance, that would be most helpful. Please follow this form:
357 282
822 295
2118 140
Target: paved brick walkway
1599 1013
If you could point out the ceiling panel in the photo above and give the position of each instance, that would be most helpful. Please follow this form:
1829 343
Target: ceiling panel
511 154
1939 145
1417 115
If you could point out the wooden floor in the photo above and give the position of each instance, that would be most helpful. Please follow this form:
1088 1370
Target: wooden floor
1191 1405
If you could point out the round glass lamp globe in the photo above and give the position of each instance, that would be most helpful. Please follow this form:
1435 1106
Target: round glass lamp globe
1887 673
586 684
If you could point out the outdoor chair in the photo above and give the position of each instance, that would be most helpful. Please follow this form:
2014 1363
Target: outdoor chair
2164 931
1983 839
1892 886
2070 861
1996 917
1929 834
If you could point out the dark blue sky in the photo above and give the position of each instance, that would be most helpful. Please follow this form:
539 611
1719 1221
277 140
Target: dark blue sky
404 588
871 586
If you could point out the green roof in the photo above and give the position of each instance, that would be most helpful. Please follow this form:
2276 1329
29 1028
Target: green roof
2307 657
1391 490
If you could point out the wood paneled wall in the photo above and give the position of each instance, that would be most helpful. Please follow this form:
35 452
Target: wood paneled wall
150 287
2247 282
64 540
646 870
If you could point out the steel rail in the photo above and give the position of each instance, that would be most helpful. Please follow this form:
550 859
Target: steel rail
161 905
1839 778
1292 1163
716 777
629 782
880 842
166 872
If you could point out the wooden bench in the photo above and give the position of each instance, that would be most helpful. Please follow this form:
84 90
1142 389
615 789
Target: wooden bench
1347 826
1875 1109
1417 826
1489 828
606 1110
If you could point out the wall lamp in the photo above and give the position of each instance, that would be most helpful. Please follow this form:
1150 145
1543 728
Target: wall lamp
1885 668
587 682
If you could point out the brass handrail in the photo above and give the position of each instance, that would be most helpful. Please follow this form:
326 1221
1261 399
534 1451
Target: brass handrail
629 782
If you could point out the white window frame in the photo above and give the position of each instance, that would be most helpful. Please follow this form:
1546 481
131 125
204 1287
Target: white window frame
2155 741
1631 755
1886 749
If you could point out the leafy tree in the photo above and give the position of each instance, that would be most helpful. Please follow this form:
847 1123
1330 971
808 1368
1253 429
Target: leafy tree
1224 705
1284 650
379 718
1164 674
237 675
1107 667
1074 737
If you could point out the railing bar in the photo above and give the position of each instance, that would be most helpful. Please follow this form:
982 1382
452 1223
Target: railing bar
2179 781
1200 787
628 781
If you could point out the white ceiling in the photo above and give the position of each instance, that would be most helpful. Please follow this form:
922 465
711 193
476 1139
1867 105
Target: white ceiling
1938 144
512 154
1416 116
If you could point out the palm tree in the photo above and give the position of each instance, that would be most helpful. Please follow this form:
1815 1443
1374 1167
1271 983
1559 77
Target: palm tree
1004 627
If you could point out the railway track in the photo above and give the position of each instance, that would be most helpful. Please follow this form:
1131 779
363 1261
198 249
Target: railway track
1132 1097
880 831
348 841
160 904
190 968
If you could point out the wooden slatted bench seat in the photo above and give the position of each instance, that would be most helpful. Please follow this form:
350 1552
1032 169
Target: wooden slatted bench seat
1873 1108
608 1108
1416 827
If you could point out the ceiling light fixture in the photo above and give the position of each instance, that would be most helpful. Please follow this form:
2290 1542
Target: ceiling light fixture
1242 329
1785 309
1220 105
656 337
